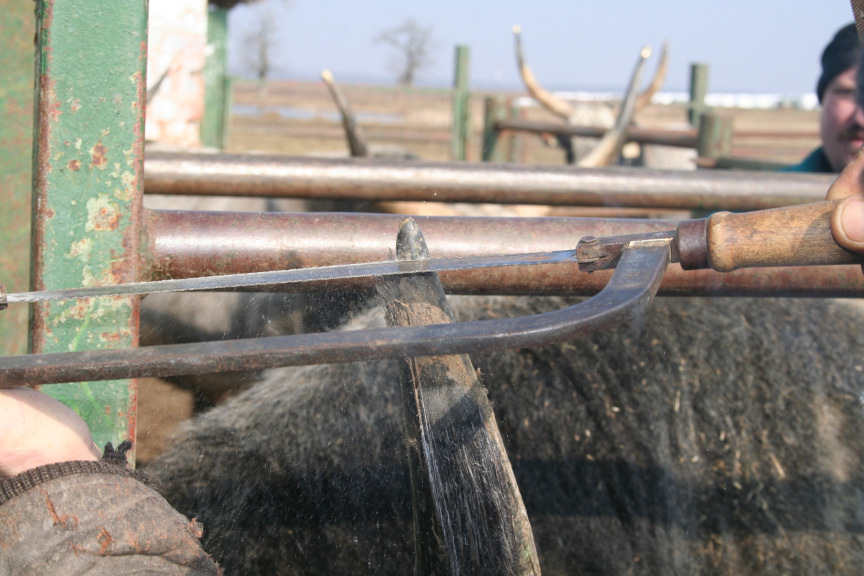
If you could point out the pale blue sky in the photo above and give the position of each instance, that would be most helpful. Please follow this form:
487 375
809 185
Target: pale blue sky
751 46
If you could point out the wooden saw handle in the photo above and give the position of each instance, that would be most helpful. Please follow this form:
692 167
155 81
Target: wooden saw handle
789 236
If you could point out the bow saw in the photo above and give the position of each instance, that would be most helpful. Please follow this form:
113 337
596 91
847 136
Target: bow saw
797 235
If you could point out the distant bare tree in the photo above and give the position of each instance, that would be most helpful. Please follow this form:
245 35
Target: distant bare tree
412 45
259 42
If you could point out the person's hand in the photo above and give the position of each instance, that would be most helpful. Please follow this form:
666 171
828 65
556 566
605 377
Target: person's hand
36 429
847 220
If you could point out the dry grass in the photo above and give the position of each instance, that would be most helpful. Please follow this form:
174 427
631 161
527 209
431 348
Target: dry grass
419 119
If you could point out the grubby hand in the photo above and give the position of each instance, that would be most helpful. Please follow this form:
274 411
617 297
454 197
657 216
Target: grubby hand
847 220
36 429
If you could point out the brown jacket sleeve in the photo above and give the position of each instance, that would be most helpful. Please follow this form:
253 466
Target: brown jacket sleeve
94 518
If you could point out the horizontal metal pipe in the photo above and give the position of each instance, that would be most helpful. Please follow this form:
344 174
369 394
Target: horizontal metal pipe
682 138
375 179
188 244
664 137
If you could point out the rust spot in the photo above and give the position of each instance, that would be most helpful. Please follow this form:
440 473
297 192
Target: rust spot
75 105
49 213
54 110
79 310
105 541
74 165
68 521
107 219
99 158
111 337
102 215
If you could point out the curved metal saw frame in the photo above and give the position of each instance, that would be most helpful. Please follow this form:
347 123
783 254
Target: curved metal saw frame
630 290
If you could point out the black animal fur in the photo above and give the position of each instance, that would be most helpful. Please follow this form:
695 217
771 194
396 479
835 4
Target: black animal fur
711 436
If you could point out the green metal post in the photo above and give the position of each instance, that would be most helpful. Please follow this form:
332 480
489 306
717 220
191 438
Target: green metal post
516 152
715 136
461 106
494 143
88 178
17 24
215 98
228 91
698 91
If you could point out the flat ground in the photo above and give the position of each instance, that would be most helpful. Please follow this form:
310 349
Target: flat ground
298 118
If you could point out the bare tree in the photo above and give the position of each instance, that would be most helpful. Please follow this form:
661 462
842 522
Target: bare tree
259 41
411 44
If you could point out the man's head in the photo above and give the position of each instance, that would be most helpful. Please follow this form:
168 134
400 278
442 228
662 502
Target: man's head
841 125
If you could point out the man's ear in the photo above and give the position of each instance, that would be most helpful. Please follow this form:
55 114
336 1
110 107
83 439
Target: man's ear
850 180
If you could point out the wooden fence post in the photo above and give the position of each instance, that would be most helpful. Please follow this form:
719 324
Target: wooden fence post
461 129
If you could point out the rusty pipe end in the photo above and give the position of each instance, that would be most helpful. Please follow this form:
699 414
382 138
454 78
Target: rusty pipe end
693 244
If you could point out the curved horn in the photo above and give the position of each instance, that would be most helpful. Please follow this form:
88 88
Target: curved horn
356 140
609 147
657 82
552 103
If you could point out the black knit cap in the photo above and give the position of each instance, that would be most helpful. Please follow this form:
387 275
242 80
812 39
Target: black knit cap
840 55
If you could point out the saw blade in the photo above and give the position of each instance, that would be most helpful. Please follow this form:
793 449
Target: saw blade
295 276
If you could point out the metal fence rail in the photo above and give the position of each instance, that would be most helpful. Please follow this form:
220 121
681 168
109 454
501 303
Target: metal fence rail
373 179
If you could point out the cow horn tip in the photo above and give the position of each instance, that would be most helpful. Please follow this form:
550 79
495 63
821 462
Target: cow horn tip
517 29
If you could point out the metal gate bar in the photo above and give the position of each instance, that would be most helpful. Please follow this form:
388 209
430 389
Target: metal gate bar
377 179
188 244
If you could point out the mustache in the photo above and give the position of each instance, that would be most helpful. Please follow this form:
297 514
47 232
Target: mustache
854 132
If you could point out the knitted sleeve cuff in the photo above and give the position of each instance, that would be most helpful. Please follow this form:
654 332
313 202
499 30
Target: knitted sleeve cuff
112 463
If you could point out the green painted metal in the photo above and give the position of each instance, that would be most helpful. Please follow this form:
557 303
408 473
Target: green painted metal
698 91
17 23
714 139
516 151
213 125
494 142
87 179
228 91
461 106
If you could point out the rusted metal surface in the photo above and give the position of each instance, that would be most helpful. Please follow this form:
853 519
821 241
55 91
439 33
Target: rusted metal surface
87 190
16 146
378 179
188 244
630 290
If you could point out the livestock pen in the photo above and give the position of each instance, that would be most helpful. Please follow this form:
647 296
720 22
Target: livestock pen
90 227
